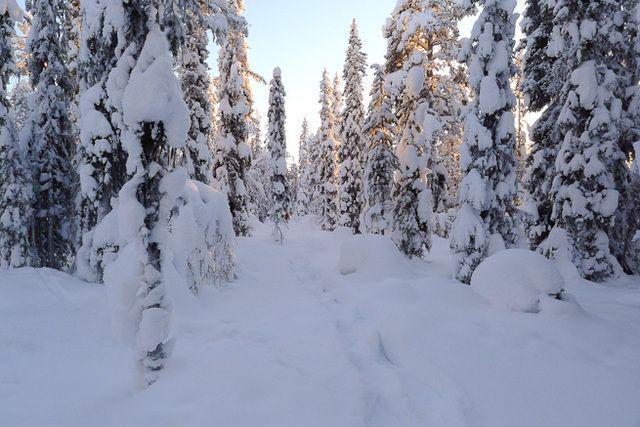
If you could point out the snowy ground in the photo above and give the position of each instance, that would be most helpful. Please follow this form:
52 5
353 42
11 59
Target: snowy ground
294 343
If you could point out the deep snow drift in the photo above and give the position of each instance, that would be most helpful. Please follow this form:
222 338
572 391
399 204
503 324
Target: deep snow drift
295 342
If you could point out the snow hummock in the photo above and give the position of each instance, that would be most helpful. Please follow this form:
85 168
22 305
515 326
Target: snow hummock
372 256
518 280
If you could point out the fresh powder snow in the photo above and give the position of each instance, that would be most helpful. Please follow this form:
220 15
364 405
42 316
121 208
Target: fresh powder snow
295 342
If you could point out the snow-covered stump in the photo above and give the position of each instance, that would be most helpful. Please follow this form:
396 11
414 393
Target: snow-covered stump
519 280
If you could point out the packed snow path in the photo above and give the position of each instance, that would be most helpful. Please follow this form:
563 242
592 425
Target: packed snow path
293 342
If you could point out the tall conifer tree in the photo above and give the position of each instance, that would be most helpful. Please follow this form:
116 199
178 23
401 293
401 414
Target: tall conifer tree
277 147
379 134
233 157
586 195
16 194
351 148
327 191
486 221
50 140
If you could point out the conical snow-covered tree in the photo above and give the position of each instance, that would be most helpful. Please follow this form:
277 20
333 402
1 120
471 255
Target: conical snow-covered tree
49 140
293 181
327 190
195 82
258 181
406 58
420 55
379 134
315 169
486 221
233 159
19 100
277 147
351 148
16 195
586 197
624 243
305 191
543 77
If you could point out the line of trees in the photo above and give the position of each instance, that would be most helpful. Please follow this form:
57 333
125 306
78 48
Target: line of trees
441 148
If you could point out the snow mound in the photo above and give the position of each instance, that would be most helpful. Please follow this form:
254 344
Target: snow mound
372 256
518 280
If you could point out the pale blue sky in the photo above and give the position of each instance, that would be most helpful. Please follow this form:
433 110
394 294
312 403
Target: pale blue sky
304 37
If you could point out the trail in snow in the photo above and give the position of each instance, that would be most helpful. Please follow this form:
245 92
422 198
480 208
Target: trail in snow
294 342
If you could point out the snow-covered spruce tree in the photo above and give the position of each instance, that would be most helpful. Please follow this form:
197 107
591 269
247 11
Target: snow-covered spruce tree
624 243
19 100
50 140
195 82
100 156
304 193
315 170
16 195
257 178
155 119
419 56
277 147
73 26
233 159
214 103
337 102
326 190
351 148
379 134
520 111
584 186
293 181
486 221
413 207
543 77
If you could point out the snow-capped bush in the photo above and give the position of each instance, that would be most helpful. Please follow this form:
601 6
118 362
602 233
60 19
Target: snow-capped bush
200 239
518 280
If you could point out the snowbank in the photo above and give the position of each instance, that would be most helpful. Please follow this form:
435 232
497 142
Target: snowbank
372 256
518 280
295 343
